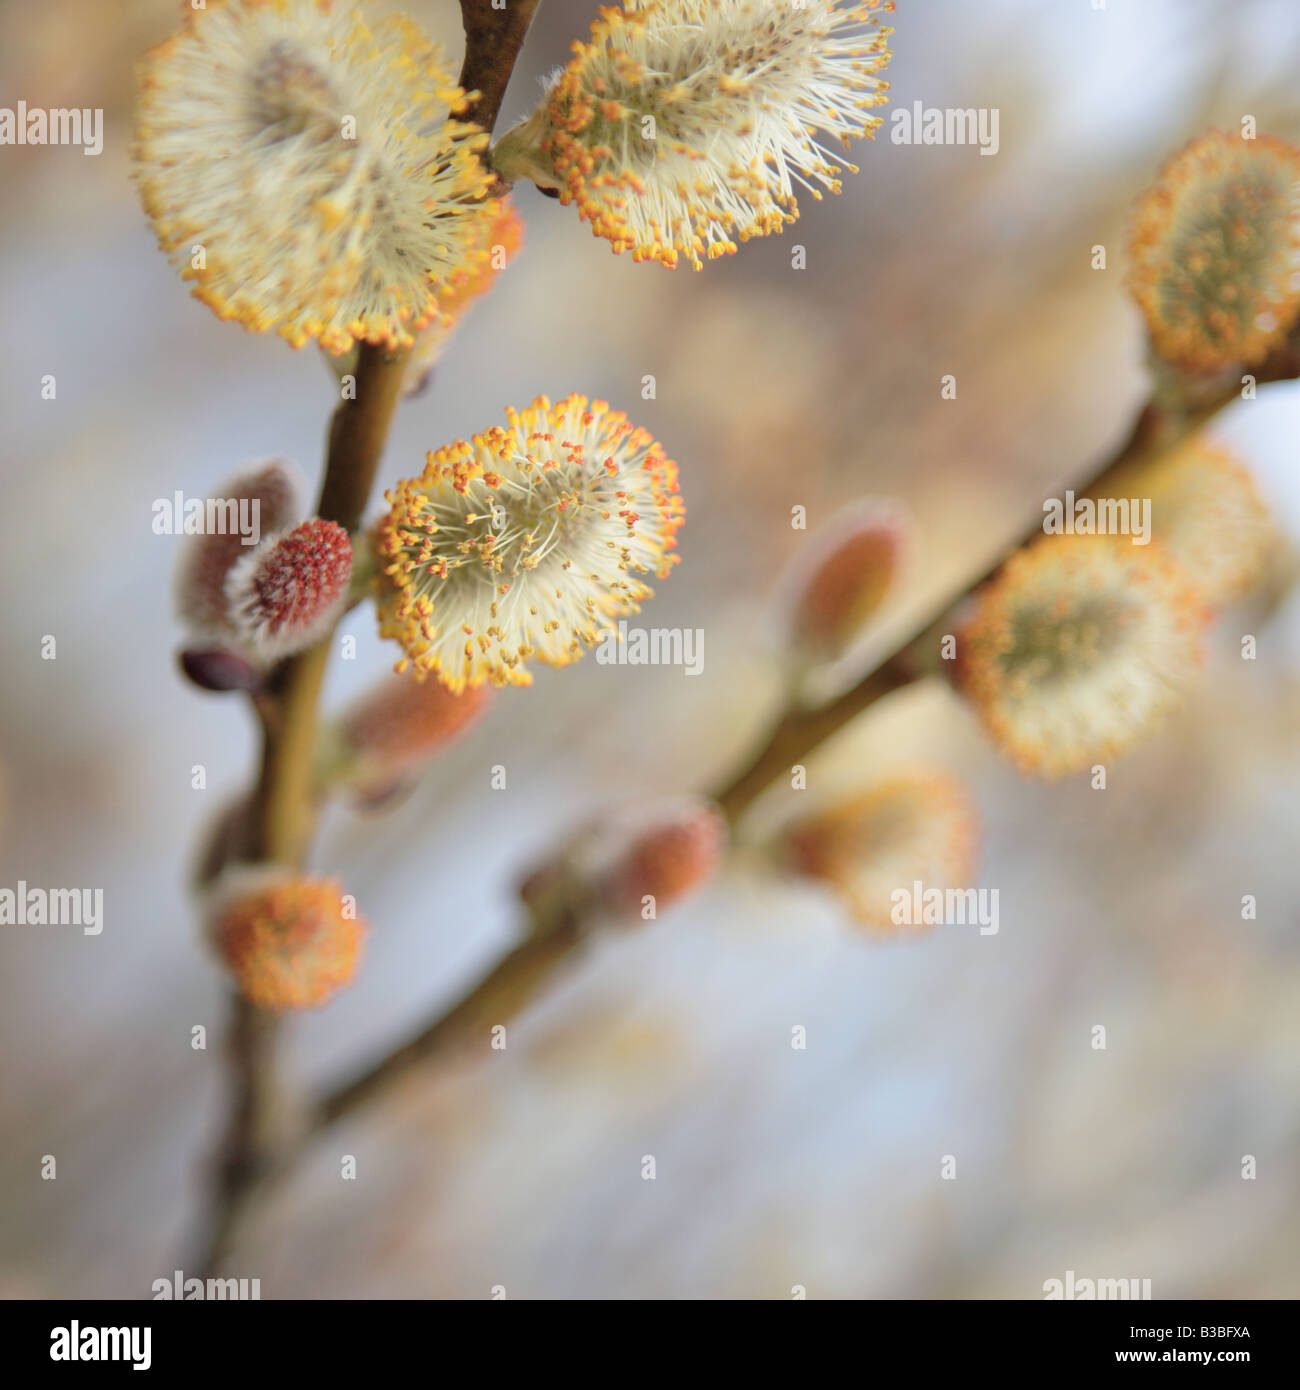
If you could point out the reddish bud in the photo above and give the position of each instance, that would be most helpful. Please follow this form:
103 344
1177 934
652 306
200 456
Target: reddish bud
291 589
207 559
844 576
397 726
218 668
670 859
631 862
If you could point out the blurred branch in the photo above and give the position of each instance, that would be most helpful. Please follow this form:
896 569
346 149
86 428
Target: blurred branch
499 997
1172 414
800 731
521 976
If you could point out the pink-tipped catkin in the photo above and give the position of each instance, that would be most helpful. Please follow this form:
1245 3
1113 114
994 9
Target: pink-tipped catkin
291 589
207 559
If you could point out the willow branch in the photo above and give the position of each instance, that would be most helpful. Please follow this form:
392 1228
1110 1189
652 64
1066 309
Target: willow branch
522 976
499 997
493 38
260 1137
282 817
800 732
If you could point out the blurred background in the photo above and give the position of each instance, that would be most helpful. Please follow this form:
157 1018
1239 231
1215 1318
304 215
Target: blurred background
775 387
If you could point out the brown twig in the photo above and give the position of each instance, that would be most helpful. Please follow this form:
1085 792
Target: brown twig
261 1134
516 981
799 732
282 819
493 38
498 998
256 1153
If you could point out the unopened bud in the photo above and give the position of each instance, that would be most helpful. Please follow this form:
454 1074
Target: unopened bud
268 495
670 859
844 575
290 591
634 860
218 668
397 726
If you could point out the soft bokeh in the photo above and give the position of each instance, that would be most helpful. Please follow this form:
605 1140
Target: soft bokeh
776 387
